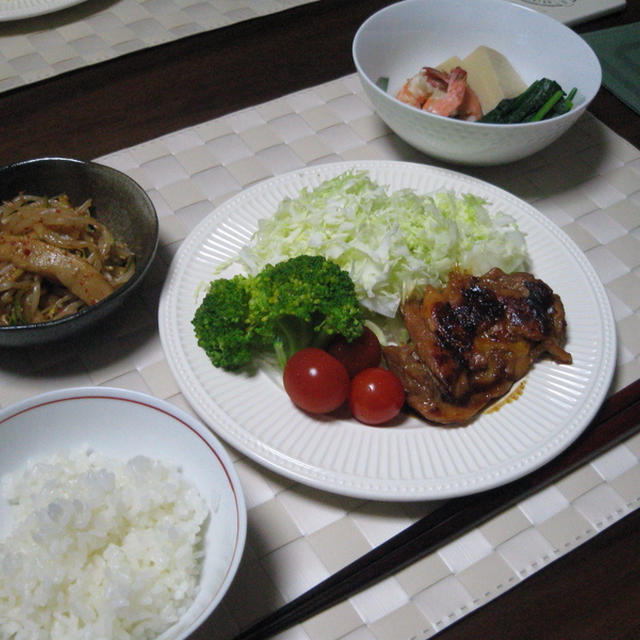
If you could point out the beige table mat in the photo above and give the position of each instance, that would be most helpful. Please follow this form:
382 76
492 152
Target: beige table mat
92 31
587 183
36 48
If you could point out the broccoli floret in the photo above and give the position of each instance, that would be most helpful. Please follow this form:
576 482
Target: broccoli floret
297 303
220 323
302 302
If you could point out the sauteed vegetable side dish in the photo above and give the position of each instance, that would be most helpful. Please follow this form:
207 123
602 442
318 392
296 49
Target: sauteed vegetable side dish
449 335
55 259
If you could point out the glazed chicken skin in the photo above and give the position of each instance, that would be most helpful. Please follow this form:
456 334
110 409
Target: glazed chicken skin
471 340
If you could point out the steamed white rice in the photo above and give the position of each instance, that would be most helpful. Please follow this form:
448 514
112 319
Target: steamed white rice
99 549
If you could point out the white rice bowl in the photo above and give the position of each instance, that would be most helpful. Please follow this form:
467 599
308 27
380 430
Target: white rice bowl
121 517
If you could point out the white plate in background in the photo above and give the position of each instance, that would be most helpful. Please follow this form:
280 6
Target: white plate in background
19 9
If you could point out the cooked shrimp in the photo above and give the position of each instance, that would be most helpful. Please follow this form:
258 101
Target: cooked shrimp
449 103
441 93
436 78
415 90
470 108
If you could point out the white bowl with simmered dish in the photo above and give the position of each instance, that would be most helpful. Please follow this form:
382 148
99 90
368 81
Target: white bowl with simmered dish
397 42
76 238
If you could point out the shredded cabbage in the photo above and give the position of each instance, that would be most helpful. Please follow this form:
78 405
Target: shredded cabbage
390 243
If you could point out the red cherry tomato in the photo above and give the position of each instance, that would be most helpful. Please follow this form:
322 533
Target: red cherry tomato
359 354
376 396
315 380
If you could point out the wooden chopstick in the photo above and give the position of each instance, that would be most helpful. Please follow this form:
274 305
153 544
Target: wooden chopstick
618 418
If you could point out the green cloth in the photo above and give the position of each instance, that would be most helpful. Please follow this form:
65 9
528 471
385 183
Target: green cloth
618 50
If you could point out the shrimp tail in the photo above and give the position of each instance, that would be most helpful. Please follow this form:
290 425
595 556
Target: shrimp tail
448 104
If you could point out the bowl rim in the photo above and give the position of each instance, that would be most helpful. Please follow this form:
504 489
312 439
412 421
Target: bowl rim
121 291
385 95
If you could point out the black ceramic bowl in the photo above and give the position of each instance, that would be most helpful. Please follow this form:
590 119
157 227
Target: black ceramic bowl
118 202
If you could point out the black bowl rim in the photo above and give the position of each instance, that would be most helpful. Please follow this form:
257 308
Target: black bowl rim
118 293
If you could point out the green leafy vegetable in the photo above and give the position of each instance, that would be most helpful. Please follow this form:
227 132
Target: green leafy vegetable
544 98
296 303
566 104
546 107
389 243
17 314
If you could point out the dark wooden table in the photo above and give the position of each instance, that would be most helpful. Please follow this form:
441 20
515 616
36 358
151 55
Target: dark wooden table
593 592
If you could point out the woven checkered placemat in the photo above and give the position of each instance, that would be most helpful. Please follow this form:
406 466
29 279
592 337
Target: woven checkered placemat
98 30
93 31
587 183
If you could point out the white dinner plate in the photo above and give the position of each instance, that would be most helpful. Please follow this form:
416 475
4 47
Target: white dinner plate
19 9
414 460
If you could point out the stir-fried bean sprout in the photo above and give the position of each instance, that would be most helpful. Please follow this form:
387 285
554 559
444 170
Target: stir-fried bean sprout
55 259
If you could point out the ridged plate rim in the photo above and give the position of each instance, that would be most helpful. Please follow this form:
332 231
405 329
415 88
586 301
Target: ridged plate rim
413 461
